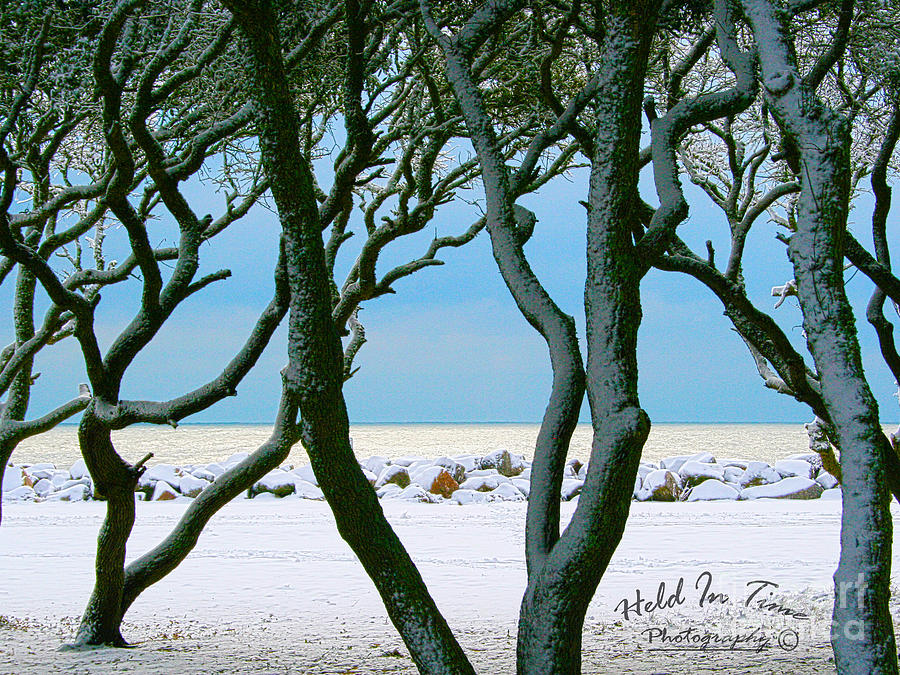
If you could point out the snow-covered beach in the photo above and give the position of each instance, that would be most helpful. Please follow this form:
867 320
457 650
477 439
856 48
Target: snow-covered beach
271 588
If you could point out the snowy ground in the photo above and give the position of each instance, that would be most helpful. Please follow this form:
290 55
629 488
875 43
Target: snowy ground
272 589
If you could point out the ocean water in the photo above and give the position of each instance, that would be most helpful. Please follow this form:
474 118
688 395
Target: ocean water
202 443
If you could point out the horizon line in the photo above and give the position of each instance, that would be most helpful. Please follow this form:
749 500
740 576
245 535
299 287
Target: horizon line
465 423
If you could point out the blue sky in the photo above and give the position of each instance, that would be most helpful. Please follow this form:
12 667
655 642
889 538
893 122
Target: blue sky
450 346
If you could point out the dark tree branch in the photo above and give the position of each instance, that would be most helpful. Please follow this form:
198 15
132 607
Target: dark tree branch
838 44
668 130
16 432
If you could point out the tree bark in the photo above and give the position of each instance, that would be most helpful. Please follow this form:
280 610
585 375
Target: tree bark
862 628
6 450
19 393
559 590
314 376
563 571
115 481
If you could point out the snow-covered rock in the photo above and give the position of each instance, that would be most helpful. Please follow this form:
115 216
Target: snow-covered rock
504 462
59 477
279 483
388 491
693 472
394 473
418 466
661 486
203 474
23 493
79 469
833 493
522 485
475 473
235 459
526 474
415 493
811 458
375 464
406 461
305 472
13 478
732 461
436 480
732 474
369 476
794 467
758 473
305 490
38 468
162 492
76 493
644 469
826 480
795 487
191 486
674 464
167 472
571 488
484 483
712 489
638 481
43 487
469 497
505 492
81 481
469 462
572 467
215 469
457 470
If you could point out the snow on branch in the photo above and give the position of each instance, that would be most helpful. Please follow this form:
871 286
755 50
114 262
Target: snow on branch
782 292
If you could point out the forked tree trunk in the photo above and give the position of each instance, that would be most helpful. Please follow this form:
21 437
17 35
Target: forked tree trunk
551 617
563 571
115 481
862 628
559 590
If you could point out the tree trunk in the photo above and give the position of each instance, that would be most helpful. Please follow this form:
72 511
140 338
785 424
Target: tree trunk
6 450
552 614
19 393
862 628
115 481
559 591
314 376
563 571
